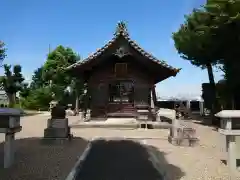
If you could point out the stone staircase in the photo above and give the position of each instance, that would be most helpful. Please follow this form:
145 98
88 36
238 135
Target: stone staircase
121 110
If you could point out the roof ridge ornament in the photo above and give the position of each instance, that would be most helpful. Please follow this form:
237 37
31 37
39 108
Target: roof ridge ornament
121 28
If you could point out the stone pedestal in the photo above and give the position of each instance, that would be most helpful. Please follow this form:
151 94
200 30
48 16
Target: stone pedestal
142 118
57 128
9 150
181 135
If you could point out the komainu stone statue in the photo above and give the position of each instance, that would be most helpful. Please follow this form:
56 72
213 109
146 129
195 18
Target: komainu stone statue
58 112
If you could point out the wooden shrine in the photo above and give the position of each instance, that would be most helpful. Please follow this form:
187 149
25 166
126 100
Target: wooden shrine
121 77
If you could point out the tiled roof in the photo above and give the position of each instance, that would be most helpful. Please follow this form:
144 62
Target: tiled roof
122 31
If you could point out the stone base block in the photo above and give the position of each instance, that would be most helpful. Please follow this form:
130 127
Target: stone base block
57 123
56 132
176 141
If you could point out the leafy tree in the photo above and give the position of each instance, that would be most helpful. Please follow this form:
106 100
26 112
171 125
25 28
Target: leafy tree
226 28
220 39
54 69
2 51
195 43
25 91
12 82
38 99
50 81
37 79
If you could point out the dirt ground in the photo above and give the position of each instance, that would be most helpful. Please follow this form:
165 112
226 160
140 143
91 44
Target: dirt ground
40 161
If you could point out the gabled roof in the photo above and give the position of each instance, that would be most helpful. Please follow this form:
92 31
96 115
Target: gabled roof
122 31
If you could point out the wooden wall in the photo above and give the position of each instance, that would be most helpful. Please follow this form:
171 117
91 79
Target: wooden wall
104 74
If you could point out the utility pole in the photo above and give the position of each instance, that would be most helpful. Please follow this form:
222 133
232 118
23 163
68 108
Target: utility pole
49 49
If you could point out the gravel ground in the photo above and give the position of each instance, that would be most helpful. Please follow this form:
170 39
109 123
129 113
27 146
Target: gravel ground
38 161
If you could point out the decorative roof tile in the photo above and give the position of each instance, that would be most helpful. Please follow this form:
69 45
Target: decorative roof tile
121 30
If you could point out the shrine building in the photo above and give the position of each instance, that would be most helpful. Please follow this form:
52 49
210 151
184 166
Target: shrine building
121 77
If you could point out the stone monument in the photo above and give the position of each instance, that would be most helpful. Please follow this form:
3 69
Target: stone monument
57 126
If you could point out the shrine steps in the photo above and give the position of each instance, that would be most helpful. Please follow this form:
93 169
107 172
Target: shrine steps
122 115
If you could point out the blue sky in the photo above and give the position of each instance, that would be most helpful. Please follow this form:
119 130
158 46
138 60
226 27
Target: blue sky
28 28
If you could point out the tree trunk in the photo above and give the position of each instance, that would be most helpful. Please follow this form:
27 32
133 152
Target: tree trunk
232 67
214 108
11 100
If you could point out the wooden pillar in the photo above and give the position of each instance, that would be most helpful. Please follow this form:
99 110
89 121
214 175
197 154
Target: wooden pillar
153 103
86 100
154 95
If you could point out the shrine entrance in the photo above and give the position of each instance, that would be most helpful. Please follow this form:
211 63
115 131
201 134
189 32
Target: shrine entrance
121 91
121 97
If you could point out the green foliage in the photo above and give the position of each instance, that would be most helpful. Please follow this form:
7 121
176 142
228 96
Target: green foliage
37 79
77 86
12 82
194 40
37 99
54 69
210 35
2 51
226 27
52 79
25 91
